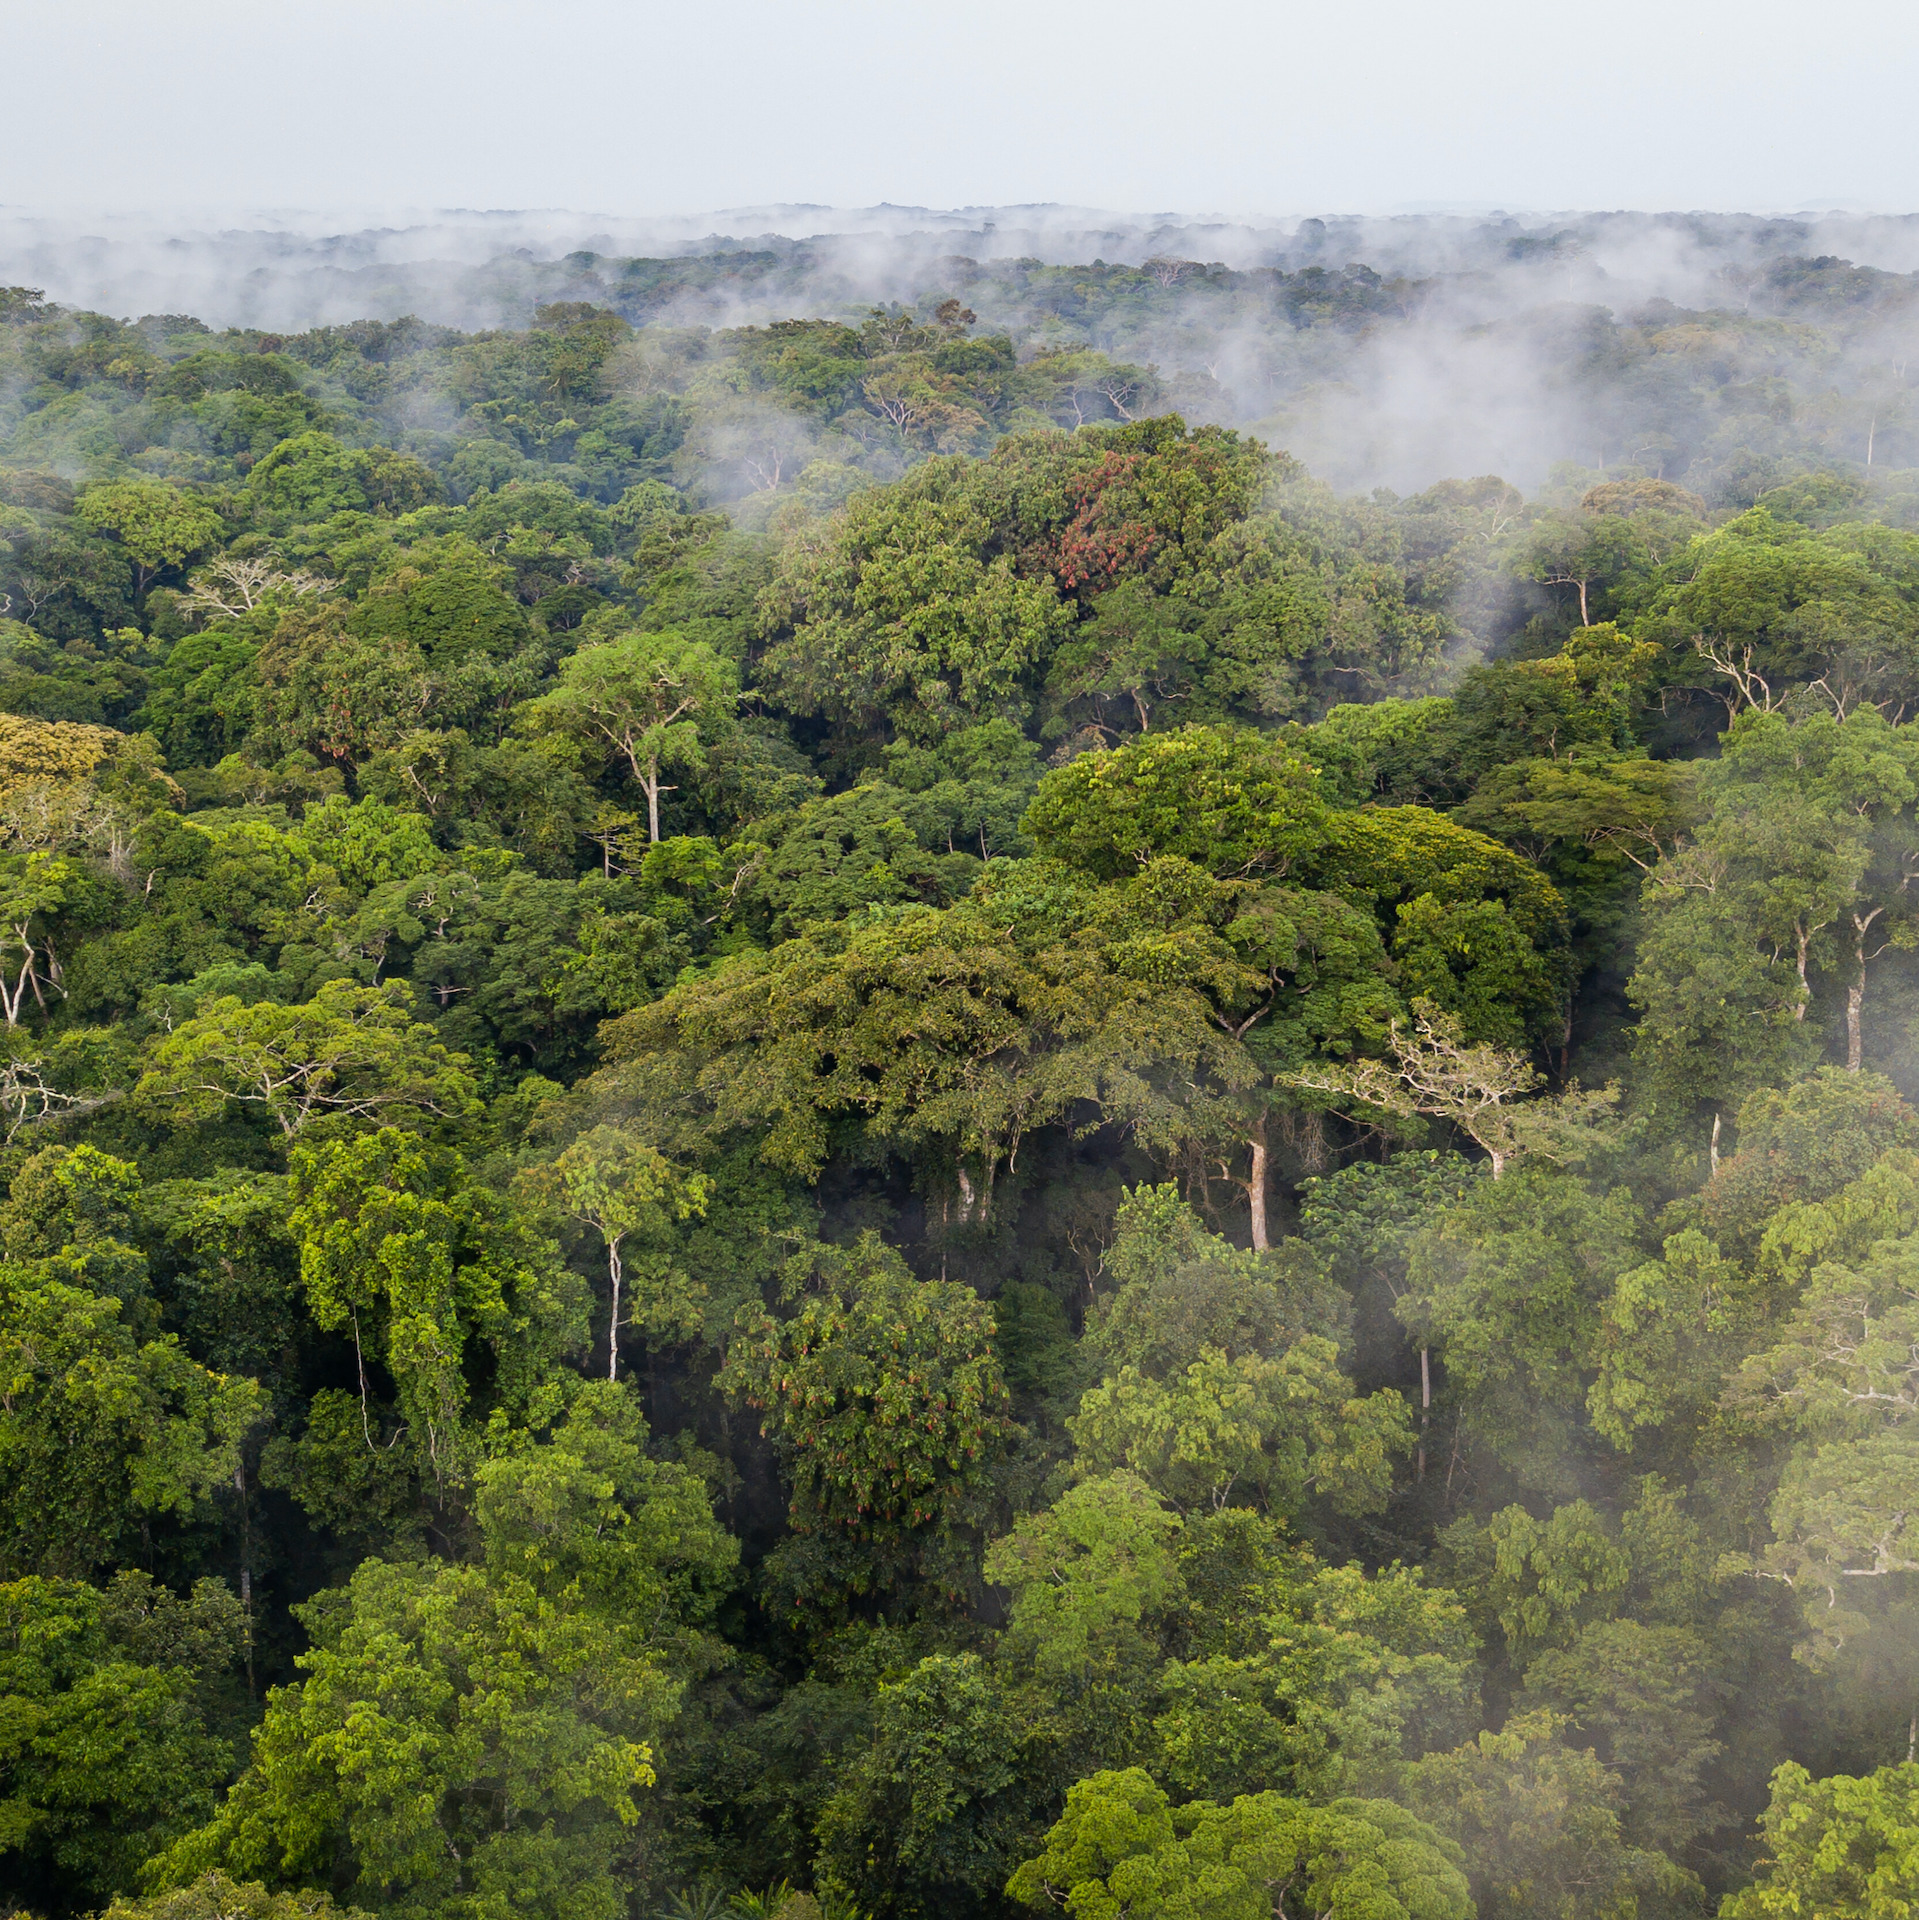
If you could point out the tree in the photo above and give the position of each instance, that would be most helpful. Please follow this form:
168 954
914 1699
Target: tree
1720 1015
160 526
33 889
456 1744
311 476
1121 1848
1801 1144
68 1216
103 1433
1274 1428
1512 1281
1138 646
1619 812
1216 1648
398 1242
1843 1525
932 1816
1087 1576
617 1185
1805 861
349 1055
947 1038
912 609
1231 802
654 700
107 1753
1541 1826
54 753
326 690
1306 1679
1764 604
842 852
1364 1218
586 1514
213 1896
1667 1336
1477 1088
1845 1848
884 1400
234 586
1174 1291
1640 1692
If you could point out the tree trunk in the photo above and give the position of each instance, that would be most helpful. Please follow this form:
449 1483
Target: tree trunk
1425 1402
1256 1190
651 783
246 1574
613 1325
1712 1149
1856 993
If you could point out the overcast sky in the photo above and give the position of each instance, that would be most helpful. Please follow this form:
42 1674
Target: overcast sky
1241 106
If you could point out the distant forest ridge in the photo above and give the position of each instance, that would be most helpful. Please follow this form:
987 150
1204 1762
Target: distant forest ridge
1721 351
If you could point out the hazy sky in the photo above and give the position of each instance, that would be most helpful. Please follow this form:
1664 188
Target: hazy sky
1286 106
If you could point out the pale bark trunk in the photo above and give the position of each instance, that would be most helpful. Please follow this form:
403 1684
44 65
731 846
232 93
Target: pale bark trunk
1856 993
1256 1193
613 1326
1425 1402
1712 1150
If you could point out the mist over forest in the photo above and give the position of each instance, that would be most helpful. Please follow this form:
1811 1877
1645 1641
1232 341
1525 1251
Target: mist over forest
1381 351
861 1066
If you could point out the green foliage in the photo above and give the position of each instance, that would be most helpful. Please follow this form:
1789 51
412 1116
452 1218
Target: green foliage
455 1742
871 866
107 1753
587 1516
1181 1292
910 614
160 526
1540 1826
654 701
1508 1282
1276 1429
933 1815
1838 1846
213 1896
424 1264
103 1434
1121 1848
1086 1573
1233 803
349 1055
312 477
884 1399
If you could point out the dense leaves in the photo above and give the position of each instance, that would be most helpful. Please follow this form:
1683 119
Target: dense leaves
811 1121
